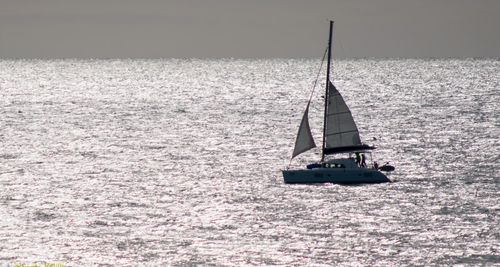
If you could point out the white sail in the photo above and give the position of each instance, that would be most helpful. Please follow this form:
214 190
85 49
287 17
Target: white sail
304 139
341 131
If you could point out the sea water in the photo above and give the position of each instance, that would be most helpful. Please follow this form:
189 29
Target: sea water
178 162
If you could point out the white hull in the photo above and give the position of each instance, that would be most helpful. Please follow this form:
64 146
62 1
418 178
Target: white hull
336 176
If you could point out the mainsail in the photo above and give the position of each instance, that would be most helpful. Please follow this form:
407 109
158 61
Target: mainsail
304 139
341 134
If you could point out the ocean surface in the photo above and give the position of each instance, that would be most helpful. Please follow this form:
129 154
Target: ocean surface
178 162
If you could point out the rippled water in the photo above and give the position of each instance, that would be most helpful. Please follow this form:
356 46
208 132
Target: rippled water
177 162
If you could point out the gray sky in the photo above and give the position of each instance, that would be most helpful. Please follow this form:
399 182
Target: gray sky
248 28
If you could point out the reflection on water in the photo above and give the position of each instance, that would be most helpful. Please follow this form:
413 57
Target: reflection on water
178 162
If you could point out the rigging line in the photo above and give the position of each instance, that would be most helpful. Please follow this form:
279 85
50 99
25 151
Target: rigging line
317 76
312 92
344 53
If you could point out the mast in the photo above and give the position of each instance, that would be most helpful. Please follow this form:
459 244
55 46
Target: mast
326 89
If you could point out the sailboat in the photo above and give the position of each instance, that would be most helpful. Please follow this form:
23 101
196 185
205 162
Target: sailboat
340 136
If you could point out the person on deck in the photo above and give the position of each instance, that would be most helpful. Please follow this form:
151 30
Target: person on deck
363 160
358 158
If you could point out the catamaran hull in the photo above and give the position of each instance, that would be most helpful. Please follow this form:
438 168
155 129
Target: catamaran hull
326 175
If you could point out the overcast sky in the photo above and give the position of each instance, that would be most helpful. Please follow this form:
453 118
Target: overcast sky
248 28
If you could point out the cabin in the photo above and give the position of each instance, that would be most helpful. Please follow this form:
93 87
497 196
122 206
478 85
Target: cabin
335 164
